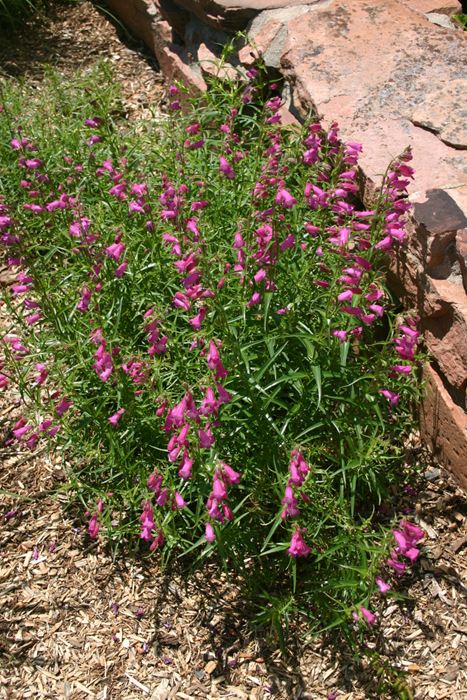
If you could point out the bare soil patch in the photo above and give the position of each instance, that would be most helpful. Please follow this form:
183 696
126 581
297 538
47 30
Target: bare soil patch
75 623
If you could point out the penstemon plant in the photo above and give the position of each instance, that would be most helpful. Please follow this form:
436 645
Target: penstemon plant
200 318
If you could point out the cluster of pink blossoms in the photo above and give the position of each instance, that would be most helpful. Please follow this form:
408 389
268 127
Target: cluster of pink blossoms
298 470
407 536
217 503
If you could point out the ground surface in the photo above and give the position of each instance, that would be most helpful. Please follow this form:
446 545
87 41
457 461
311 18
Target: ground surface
75 624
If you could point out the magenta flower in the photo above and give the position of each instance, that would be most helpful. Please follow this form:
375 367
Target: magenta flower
383 586
162 498
115 250
214 361
412 531
209 403
93 526
20 428
209 535
391 396
298 546
114 419
120 270
197 320
93 122
254 299
284 198
85 300
206 438
63 406
368 615
398 566
179 501
340 335
401 369
224 396
186 466
147 523
103 363
226 169
291 509
42 374
229 474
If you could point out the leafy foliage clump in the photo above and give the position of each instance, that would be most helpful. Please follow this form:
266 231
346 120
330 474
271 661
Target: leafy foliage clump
201 318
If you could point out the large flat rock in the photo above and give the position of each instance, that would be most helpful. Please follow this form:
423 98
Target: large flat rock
387 75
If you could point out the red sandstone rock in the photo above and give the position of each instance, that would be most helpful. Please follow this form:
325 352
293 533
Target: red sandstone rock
145 21
461 250
353 63
444 426
446 7
444 323
234 14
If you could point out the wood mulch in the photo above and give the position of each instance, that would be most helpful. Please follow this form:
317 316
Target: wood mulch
76 624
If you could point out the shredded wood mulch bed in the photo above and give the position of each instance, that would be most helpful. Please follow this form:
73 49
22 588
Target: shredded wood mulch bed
76 624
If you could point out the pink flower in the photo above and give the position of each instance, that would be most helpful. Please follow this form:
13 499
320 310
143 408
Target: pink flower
368 615
147 522
42 374
197 320
103 363
412 531
229 474
162 498
113 420
206 438
383 586
181 301
115 250
391 396
218 490
179 501
254 299
340 335
224 396
284 198
209 535
186 466
298 546
398 566
226 169
63 406
154 482
85 300
120 270
401 369
93 526
209 403
20 428
93 122
214 361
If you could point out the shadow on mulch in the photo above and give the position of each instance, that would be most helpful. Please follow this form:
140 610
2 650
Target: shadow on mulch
27 48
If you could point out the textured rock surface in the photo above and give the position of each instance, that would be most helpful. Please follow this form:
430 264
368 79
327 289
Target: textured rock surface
444 426
157 24
387 88
447 7
234 14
